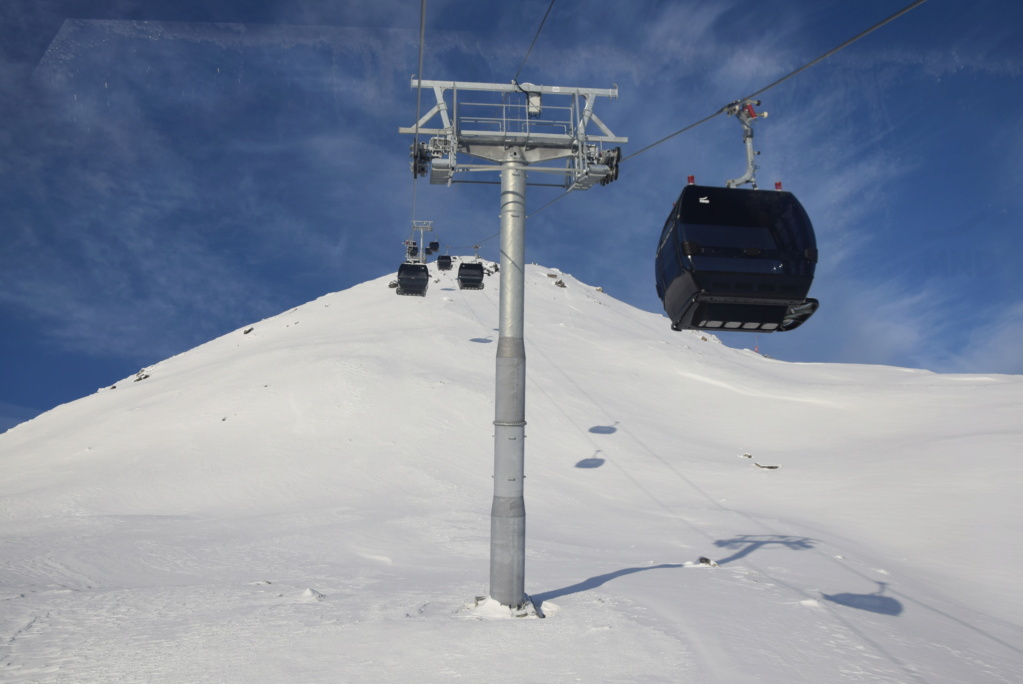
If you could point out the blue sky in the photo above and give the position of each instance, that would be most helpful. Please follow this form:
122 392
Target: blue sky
168 175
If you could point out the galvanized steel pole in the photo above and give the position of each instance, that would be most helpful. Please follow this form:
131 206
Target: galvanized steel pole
572 136
508 512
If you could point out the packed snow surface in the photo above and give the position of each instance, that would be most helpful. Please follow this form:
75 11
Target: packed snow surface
307 499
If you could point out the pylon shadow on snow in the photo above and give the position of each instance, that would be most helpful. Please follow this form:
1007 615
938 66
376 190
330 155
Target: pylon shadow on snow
745 544
594 582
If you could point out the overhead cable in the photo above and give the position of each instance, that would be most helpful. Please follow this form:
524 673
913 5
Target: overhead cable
678 132
480 242
419 95
542 22
564 194
827 54
847 43
725 108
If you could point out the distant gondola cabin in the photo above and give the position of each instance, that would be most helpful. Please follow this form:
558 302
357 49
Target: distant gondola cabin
413 279
470 276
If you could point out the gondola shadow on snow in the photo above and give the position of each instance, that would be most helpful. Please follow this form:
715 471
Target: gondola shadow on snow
594 582
593 461
481 340
604 429
874 603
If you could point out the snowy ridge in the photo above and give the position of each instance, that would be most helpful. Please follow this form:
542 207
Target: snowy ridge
307 499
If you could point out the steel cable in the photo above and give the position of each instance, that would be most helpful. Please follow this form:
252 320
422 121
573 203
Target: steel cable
515 79
786 77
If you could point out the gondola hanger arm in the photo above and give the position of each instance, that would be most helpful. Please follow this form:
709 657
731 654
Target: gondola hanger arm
743 110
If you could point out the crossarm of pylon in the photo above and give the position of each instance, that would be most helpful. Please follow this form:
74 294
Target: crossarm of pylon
517 88
440 108
608 135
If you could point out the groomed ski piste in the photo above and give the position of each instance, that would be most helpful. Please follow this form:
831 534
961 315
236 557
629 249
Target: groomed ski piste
307 498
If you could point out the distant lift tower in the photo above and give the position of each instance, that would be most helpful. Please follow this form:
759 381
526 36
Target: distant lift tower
496 127
417 252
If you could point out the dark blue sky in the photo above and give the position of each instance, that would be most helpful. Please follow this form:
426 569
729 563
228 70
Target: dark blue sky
170 174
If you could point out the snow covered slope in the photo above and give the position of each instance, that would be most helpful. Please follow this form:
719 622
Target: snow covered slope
307 500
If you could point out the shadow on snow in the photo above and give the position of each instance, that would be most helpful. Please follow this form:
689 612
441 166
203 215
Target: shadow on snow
594 461
875 603
594 582
745 544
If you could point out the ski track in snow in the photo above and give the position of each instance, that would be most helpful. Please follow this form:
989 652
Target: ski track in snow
309 501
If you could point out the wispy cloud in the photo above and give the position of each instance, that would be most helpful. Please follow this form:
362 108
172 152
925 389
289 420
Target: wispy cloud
141 232
183 178
993 346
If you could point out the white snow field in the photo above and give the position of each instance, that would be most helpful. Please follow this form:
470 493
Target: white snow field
309 500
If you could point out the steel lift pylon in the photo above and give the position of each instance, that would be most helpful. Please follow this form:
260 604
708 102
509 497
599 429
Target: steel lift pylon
554 133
